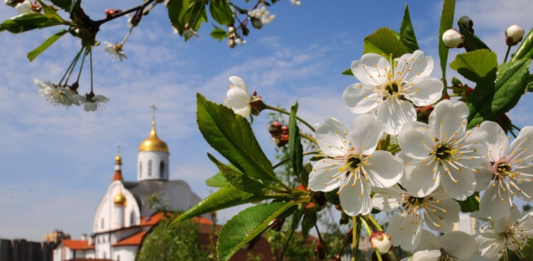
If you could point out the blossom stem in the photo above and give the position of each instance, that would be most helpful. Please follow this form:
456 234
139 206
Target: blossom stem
288 113
507 53
286 244
287 160
310 138
318 233
126 37
368 229
81 67
374 222
71 66
91 61
355 238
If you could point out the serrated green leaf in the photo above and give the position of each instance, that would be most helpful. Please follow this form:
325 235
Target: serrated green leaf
225 197
246 225
308 223
472 43
237 178
231 135
217 181
489 101
297 217
195 15
26 22
348 72
176 13
295 143
525 48
470 204
384 41
221 12
407 32
47 43
446 22
50 12
219 34
477 66
530 83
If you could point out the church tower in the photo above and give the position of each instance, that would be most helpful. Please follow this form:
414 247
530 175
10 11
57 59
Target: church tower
152 158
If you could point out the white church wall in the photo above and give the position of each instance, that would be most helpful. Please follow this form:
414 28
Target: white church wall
124 253
148 165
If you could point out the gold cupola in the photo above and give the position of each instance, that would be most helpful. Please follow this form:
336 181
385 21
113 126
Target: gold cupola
119 199
153 143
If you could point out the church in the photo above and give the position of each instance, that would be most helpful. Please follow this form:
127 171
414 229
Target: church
124 216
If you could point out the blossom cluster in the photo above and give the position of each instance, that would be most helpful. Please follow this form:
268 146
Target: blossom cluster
391 160
67 96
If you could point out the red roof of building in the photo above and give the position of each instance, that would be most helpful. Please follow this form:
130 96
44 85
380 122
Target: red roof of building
118 175
134 240
77 244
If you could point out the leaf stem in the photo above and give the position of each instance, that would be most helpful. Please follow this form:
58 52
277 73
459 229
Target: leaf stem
91 61
318 232
126 37
310 138
355 238
287 160
280 258
288 113
374 222
81 68
507 53
71 66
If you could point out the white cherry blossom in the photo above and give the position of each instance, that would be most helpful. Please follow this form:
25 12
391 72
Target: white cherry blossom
389 89
509 172
24 7
57 96
92 102
442 152
115 50
453 246
239 97
511 232
352 163
437 210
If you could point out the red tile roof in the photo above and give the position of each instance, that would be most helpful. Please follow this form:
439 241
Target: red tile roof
77 244
133 240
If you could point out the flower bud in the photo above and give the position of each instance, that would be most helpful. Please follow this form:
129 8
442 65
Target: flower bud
231 43
380 242
321 250
452 39
274 128
110 12
256 23
513 35
276 224
467 23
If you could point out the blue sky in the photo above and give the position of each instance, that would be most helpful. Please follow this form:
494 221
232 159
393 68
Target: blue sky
56 164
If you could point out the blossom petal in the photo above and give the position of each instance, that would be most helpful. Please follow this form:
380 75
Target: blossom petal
483 177
326 176
414 65
496 202
428 242
386 199
457 182
360 99
239 101
441 216
507 222
369 68
522 146
419 180
355 197
330 137
383 169
394 113
404 232
90 106
489 246
426 255
459 244
416 140
497 142
424 90
447 118
239 83
523 189
365 133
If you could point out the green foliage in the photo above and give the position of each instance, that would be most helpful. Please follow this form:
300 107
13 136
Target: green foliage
221 12
472 43
65 4
179 242
446 22
407 32
298 248
525 49
237 178
246 225
26 22
219 33
489 100
50 12
217 181
470 204
384 41
295 143
47 43
232 136
477 66
308 223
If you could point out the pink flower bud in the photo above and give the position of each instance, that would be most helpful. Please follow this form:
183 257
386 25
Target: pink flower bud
274 128
452 39
514 34
380 242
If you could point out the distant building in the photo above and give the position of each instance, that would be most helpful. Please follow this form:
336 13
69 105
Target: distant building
467 224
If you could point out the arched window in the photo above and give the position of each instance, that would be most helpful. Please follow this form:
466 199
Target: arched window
161 169
140 169
132 219
150 168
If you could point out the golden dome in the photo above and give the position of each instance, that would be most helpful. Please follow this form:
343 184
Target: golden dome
153 143
120 200
118 160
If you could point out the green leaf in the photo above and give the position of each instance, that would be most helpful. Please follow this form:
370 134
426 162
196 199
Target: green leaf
384 41
530 83
446 22
308 223
470 204
221 12
477 65
195 15
525 48
348 72
295 143
407 32
472 43
50 12
232 136
489 101
333 197
219 34
304 174
176 13
237 178
217 181
246 225
225 197
26 22
65 4
47 43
